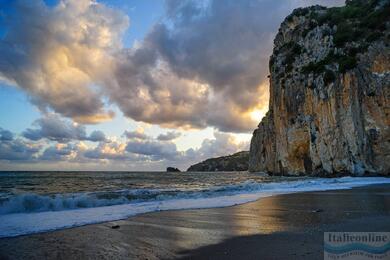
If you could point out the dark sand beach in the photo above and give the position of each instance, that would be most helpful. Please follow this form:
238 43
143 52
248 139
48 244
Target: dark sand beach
287 226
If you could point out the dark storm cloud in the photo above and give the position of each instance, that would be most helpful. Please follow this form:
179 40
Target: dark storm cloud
54 128
169 136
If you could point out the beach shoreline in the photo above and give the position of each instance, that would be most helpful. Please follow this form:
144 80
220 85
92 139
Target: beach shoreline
278 227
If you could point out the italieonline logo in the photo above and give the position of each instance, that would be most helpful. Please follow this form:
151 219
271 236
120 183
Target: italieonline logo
357 245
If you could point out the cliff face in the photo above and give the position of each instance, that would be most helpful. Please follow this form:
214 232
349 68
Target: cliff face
234 162
329 94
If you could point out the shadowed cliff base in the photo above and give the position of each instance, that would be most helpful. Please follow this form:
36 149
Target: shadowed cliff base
329 94
282 227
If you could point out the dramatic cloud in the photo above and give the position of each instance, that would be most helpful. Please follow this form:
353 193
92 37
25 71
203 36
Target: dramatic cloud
60 55
204 65
52 127
205 68
169 136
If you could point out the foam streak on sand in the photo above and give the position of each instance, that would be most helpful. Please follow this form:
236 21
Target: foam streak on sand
15 224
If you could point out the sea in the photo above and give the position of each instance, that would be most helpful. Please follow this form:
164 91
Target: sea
32 202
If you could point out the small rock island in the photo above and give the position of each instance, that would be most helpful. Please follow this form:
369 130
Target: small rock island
172 169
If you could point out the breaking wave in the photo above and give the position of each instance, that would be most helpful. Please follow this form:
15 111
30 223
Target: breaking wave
30 202
75 209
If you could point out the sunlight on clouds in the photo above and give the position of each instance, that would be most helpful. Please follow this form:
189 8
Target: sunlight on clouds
241 138
193 75
60 146
157 151
140 129
95 119
258 114
77 61
113 150
193 138
64 52
82 146
187 73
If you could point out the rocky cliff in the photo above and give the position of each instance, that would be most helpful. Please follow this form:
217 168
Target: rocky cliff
234 162
329 93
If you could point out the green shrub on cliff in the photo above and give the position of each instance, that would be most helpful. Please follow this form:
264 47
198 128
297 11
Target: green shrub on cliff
377 19
292 49
374 36
345 33
347 63
359 20
329 77
313 67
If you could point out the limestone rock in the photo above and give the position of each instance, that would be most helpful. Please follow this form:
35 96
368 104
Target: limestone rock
329 94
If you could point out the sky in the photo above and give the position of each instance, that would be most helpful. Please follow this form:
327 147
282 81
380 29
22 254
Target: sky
133 85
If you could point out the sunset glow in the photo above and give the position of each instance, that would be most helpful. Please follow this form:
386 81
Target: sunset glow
115 68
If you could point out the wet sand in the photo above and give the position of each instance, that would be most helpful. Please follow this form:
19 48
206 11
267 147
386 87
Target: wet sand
287 226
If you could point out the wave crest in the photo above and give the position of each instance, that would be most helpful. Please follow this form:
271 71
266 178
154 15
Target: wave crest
24 203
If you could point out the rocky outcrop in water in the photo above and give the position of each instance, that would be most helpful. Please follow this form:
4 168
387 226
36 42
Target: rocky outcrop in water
172 169
234 162
329 94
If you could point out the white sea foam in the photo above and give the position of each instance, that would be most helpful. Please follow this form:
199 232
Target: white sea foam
65 211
